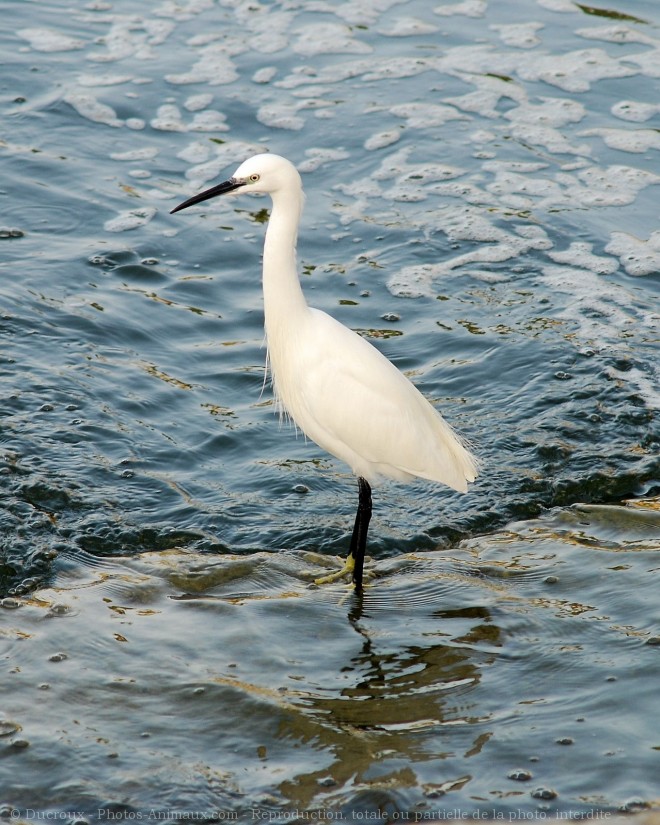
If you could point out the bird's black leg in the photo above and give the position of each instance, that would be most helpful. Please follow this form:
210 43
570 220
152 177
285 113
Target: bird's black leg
359 537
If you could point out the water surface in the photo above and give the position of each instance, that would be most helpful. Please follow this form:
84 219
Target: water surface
482 204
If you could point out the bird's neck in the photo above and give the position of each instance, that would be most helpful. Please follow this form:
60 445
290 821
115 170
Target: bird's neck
283 296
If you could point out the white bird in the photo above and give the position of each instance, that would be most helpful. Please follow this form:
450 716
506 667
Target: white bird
339 389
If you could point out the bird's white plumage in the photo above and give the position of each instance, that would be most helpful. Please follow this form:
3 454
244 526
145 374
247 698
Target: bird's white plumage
338 388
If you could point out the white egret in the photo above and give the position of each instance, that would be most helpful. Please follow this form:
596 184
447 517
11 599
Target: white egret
339 389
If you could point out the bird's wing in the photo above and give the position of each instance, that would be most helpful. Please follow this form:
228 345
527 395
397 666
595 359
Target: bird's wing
357 405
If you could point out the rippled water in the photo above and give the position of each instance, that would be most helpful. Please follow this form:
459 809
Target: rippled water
482 204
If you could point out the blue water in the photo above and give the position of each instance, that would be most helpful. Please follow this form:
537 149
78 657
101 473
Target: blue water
482 204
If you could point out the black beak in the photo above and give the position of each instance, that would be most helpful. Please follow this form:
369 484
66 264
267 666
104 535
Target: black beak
220 189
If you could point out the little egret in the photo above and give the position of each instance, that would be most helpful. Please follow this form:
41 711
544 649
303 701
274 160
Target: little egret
339 389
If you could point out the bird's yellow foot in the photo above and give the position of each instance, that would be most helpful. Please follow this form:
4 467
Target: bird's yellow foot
347 569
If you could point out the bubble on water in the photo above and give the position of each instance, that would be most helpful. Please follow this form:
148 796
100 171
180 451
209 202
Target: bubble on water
544 793
7 233
520 775
564 740
9 603
7 727
634 806
59 610
58 657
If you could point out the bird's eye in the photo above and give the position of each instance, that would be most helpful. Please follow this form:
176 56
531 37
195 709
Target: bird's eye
253 178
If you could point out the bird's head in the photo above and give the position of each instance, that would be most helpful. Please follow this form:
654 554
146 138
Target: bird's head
265 173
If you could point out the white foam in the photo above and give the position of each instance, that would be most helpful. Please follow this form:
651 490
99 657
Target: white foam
131 219
602 313
264 75
648 62
195 152
561 6
551 139
408 27
48 40
616 33
549 111
637 256
579 254
280 116
357 12
208 121
496 245
609 186
382 139
469 8
574 71
627 140
317 157
634 110
426 115
131 36
519 35
490 91
168 119
214 66
143 153
92 80
92 109
195 103
327 38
